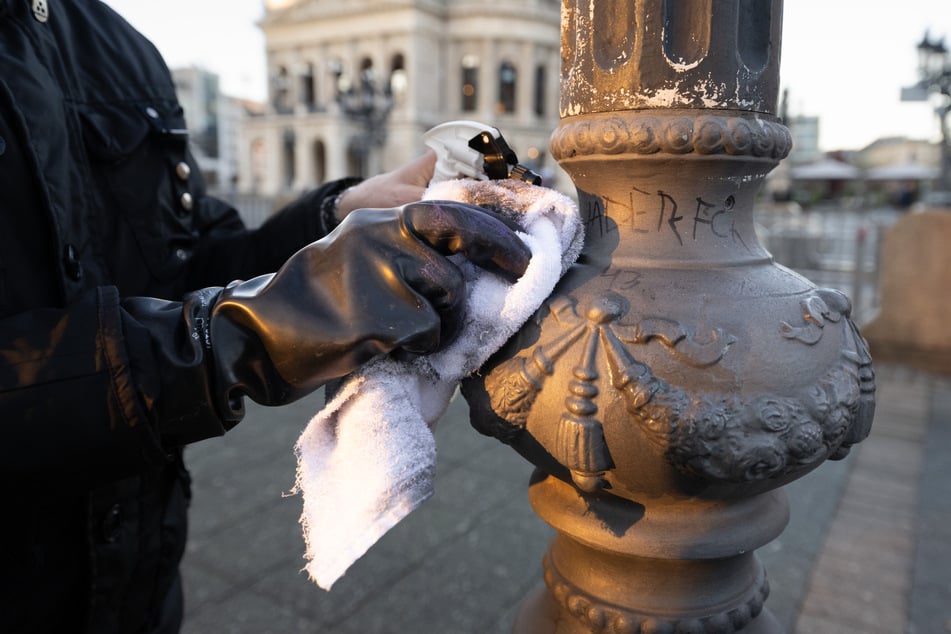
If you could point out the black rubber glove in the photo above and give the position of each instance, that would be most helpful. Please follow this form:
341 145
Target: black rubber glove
379 283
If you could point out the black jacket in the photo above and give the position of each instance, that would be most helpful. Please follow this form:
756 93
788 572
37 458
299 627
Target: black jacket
101 206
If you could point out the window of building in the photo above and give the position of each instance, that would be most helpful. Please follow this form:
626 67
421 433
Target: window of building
308 87
335 70
281 90
398 82
289 158
356 159
507 84
366 70
470 83
320 161
541 88
258 164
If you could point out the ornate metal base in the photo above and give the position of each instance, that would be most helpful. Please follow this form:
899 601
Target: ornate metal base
540 614
669 566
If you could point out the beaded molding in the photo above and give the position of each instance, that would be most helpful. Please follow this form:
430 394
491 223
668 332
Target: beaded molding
676 134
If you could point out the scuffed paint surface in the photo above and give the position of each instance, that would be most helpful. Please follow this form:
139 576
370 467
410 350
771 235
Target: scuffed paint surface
645 78
678 92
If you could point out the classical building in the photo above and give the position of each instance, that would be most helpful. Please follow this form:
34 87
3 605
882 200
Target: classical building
354 85
892 151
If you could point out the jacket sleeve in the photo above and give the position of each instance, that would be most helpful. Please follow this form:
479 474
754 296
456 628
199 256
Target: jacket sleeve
103 389
230 252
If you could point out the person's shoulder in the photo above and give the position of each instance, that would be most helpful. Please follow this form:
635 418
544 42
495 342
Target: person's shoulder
114 56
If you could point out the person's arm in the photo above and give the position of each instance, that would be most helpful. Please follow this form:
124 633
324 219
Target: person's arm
106 387
403 185
229 252
70 405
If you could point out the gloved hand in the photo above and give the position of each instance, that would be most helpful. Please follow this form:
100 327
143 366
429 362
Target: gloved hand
379 283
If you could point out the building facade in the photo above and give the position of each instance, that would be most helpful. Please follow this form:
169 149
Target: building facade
890 151
353 86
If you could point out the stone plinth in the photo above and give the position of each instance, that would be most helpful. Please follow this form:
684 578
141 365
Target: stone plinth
912 327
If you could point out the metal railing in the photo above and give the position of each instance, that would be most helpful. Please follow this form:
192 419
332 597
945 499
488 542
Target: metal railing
835 247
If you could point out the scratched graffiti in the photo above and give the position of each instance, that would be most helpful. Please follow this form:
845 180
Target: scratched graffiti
659 212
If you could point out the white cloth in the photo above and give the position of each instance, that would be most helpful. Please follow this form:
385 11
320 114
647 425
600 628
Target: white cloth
368 458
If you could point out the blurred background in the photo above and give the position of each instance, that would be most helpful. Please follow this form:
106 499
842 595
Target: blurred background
281 95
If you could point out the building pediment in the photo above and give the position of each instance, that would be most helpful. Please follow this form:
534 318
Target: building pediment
290 12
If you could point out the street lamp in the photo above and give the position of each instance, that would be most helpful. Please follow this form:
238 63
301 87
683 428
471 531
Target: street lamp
932 58
934 77
366 103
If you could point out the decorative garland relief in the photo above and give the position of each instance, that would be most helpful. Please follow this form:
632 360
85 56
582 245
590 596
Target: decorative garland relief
709 435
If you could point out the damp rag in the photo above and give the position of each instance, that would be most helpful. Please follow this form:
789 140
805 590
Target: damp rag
368 457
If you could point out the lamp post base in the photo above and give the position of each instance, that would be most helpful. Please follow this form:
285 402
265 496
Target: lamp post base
539 614
608 571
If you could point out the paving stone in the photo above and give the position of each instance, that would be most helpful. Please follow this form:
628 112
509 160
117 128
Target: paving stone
225 499
790 558
374 574
855 554
871 579
203 587
850 603
816 624
460 586
930 602
244 549
463 562
456 441
864 576
247 613
473 491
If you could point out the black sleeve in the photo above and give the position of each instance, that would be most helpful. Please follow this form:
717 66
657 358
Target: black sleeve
68 400
104 388
229 252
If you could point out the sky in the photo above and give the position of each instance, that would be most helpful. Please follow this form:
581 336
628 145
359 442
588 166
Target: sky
844 61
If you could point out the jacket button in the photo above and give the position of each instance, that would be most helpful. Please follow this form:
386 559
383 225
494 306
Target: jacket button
183 171
71 263
111 523
41 10
187 201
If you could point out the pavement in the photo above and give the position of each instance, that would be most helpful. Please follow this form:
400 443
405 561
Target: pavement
867 549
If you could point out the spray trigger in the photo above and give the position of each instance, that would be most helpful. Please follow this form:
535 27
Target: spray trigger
469 149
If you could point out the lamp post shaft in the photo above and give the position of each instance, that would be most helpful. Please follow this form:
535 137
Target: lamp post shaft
677 378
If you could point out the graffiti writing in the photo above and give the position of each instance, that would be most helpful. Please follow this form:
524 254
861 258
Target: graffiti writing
660 212
622 279
593 214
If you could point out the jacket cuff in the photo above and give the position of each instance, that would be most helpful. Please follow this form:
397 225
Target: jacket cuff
113 345
180 392
327 212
